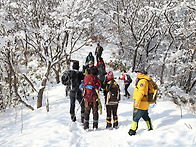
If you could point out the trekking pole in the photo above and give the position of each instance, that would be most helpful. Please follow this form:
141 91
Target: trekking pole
79 105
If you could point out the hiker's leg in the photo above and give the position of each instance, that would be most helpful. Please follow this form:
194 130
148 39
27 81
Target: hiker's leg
108 118
86 114
95 114
72 106
81 102
115 117
148 120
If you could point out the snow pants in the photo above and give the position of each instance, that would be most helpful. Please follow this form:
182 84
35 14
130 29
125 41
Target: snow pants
73 97
112 110
137 114
88 107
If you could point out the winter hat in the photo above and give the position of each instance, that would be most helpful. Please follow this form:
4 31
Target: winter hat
141 70
90 62
75 65
110 76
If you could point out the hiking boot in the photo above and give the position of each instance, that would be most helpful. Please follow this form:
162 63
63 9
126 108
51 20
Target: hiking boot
109 126
95 128
73 118
131 132
116 127
82 119
109 123
95 125
129 97
86 124
115 122
86 128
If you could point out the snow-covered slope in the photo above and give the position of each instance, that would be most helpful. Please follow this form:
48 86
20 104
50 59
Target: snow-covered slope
21 127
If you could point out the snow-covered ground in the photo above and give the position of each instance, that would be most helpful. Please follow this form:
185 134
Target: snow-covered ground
21 127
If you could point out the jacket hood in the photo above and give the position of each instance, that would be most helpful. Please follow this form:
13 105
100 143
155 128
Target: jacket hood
142 76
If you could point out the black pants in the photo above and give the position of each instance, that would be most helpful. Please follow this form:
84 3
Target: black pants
73 96
126 91
97 57
112 110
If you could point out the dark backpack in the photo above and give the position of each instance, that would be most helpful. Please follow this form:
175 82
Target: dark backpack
73 79
113 95
65 79
101 70
128 78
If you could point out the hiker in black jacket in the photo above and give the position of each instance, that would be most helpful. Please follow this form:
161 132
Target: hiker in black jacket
75 78
90 57
98 51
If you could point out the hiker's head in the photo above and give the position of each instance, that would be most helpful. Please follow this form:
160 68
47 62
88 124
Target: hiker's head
123 71
90 63
94 71
110 76
90 54
140 70
75 65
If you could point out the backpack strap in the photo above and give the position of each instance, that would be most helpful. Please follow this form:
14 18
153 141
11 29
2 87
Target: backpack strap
138 82
111 84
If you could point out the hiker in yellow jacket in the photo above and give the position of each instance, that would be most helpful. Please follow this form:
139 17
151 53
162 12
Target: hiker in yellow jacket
141 105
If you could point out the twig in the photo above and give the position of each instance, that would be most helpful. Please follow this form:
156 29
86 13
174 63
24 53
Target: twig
188 126
21 119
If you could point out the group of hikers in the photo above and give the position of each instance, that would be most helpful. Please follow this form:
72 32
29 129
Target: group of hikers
86 85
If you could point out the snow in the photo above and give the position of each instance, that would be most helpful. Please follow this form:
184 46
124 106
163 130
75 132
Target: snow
21 127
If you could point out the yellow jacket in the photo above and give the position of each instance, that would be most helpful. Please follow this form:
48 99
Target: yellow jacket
141 92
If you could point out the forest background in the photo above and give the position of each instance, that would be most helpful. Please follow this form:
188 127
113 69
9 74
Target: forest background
39 37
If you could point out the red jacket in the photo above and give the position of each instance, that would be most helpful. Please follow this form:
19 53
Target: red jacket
123 78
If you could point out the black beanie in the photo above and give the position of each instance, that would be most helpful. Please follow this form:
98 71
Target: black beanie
76 65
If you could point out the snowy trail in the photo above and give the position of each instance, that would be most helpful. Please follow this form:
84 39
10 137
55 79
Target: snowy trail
53 128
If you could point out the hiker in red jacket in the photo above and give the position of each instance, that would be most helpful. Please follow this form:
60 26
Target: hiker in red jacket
126 82
91 83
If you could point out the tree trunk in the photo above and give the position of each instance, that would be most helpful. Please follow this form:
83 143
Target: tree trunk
188 83
134 60
57 73
43 86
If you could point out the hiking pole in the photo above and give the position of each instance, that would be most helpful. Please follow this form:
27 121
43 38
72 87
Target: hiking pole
79 105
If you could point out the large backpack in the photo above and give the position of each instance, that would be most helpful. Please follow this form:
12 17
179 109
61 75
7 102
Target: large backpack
65 79
113 95
128 78
101 69
89 87
152 91
73 79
